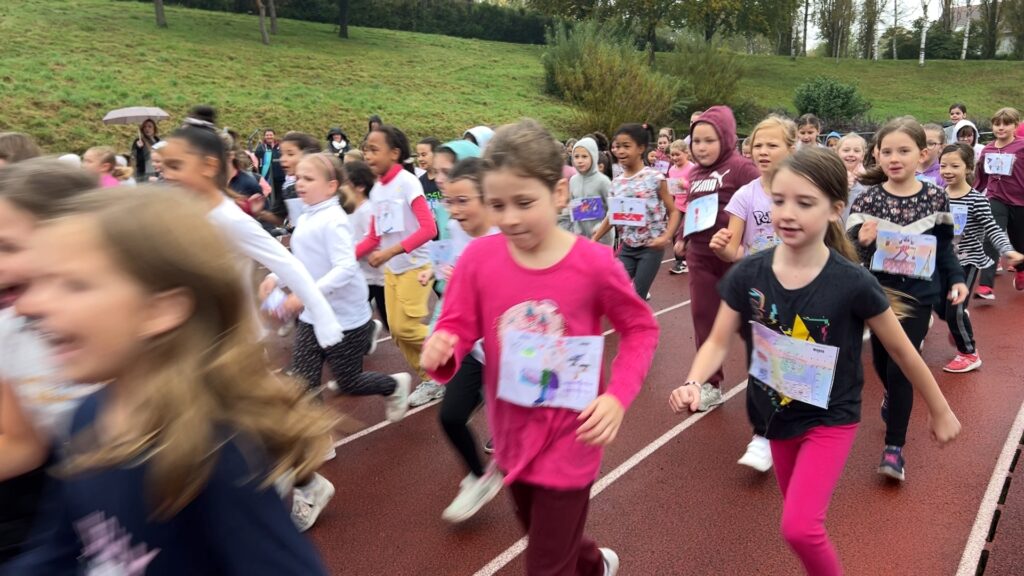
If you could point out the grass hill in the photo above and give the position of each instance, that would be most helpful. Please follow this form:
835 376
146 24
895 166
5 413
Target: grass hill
66 63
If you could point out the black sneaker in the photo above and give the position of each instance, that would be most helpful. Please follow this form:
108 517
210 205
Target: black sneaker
489 446
892 463
679 268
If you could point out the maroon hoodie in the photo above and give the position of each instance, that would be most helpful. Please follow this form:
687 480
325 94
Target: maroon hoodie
726 175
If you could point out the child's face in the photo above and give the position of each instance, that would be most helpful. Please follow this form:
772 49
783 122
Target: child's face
769 149
899 156
966 135
443 164
705 145
678 157
425 156
832 143
934 140
16 228
627 150
952 168
956 115
807 134
158 162
290 156
464 203
800 211
525 209
92 162
311 184
581 160
852 154
187 167
379 156
745 150
95 315
652 157
1003 131
663 143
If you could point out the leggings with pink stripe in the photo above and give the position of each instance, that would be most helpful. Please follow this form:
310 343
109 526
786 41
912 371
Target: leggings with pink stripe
808 468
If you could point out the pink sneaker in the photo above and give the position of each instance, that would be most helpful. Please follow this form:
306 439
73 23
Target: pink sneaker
1018 280
985 293
963 363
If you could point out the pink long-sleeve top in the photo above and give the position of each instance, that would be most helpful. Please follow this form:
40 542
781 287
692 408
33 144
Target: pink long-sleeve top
489 290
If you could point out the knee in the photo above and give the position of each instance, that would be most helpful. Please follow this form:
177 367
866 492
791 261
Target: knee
802 532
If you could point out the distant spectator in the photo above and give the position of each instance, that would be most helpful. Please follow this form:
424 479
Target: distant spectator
142 149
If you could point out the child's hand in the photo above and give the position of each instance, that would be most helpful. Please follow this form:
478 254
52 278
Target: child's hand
376 258
945 427
266 287
868 233
1014 258
601 421
257 202
686 397
720 240
438 350
425 276
958 293
660 242
292 305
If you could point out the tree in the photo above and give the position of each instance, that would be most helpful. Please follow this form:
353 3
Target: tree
647 15
161 20
343 18
262 8
273 15
570 9
967 30
924 30
991 19
807 16
1014 16
867 37
710 17
835 18
947 15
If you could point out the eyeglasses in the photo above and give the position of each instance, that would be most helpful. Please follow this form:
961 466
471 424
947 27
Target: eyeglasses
934 144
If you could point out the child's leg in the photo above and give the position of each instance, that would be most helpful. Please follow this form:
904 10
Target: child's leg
808 468
1001 214
554 521
377 296
307 356
463 395
706 270
899 389
406 301
648 263
1015 229
958 320
346 361
629 258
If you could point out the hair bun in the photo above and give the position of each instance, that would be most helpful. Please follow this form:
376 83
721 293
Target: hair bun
204 113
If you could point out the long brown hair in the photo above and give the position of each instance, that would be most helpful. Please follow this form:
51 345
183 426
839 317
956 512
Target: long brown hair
527 149
208 375
907 125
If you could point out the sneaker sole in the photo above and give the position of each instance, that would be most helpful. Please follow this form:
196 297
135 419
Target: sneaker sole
969 368
378 327
317 510
676 272
428 400
404 382
890 473
986 296
754 463
488 496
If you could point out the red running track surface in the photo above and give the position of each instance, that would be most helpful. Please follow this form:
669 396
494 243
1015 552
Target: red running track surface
687 507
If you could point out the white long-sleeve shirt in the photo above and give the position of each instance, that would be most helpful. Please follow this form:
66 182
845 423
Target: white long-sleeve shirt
251 240
322 241
360 222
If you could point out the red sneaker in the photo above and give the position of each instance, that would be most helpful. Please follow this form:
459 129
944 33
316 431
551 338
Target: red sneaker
1018 280
985 293
963 363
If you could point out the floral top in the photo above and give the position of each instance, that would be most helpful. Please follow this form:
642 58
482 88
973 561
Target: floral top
644 184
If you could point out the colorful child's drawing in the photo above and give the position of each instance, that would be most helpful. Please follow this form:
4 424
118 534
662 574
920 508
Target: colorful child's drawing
627 211
910 255
587 209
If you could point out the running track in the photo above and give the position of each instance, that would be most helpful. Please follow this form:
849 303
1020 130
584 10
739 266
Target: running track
671 499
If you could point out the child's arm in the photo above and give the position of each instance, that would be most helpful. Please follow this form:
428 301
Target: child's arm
673 218
995 235
368 243
944 425
344 266
980 177
708 360
726 242
949 268
426 232
601 230
458 326
21 447
633 321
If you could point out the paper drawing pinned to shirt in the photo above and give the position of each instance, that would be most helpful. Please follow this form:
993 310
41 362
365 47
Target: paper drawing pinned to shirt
700 214
587 209
627 211
959 212
797 369
443 255
550 371
389 217
910 255
999 164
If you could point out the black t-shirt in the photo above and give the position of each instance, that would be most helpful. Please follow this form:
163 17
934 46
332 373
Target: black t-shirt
831 310
430 189
245 184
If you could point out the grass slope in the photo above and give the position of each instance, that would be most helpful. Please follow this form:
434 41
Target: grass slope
65 63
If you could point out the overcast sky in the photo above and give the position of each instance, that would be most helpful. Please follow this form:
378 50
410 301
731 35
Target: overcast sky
910 10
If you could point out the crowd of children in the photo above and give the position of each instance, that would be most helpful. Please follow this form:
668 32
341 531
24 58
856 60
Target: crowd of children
137 399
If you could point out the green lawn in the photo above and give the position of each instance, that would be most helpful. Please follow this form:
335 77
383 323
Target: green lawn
65 63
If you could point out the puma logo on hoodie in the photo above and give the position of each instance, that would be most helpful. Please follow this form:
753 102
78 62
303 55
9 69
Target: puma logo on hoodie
711 183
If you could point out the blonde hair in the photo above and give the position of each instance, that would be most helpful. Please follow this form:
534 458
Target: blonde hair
332 169
15 147
527 149
1006 115
354 156
106 155
679 145
854 137
784 125
204 377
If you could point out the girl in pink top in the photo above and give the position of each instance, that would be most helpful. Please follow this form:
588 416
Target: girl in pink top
102 161
679 187
547 438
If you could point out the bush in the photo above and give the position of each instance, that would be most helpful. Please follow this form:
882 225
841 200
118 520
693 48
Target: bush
711 76
596 67
834 102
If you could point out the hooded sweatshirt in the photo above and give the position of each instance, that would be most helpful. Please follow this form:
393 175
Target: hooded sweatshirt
482 135
724 176
462 149
953 137
587 185
1007 189
345 144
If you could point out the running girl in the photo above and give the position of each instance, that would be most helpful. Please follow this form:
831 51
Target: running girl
809 288
897 202
587 185
550 454
851 151
102 161
360 181
679 186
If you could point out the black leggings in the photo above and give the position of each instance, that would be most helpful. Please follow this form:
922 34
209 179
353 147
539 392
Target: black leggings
899 389
642 265
462 396
956 316
344 358
377 297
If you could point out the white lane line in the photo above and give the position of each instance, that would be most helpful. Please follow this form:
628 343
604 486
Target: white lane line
990 501
516 549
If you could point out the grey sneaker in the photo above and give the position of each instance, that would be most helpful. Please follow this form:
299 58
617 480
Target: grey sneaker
427 391
710 396
310 500
611 561
474 493
378 327
398 401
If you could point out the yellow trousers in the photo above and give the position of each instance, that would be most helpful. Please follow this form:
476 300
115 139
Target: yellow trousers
406 302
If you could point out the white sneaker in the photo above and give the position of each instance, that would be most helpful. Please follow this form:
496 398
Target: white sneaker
285 329
710 397
473 494
378 327
427 391
331 454
332 385
398 401
611 561
310 500
758 455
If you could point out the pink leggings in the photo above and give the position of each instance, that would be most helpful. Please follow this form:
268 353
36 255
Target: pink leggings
808 468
